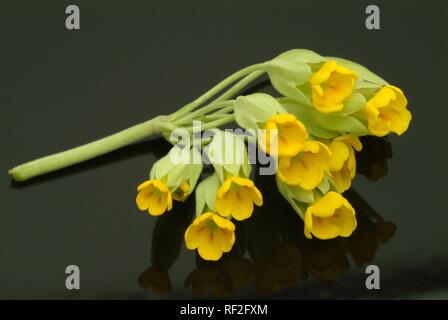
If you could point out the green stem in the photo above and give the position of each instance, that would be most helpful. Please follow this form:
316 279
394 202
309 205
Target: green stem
208 108
216 89
240 85
90 150
215 123
225 110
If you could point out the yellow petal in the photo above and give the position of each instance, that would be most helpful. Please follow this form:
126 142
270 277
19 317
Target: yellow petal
143 198
323 229
210 249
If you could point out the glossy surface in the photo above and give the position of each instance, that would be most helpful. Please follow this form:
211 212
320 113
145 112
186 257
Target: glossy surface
133 61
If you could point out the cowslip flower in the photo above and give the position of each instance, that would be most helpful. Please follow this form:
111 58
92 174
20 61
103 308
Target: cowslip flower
236 197
307 168
289 136
329 217
343 160
182 192
331 85
154 196
211 234
386 112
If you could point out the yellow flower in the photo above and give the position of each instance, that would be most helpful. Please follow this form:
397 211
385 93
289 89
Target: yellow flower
290 134
154 196
343 160
331 85
386 112
307 168
329 217
181 193
236 197
211 235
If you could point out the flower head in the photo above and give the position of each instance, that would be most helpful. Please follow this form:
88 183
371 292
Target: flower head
182 192
307 168
343 161
211 234
154 196
291 135
236 197
329 217
331 85
386 112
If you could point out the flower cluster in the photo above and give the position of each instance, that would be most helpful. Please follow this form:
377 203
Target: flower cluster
312 130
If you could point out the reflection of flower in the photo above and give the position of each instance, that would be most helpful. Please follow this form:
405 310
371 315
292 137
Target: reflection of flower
307 168
386 112
236 197
280 271
384 231
240 270
211 234
210 277
155 278
326 260
371 161
154 196
329 217
331 85
291 135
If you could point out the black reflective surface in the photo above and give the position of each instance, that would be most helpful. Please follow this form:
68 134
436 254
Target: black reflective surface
134 60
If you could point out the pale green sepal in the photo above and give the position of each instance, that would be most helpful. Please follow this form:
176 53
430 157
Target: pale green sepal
295 192
254 109
227 153
303 55
363 72
304 115
186 167
341 124
354 103
324 185
206 193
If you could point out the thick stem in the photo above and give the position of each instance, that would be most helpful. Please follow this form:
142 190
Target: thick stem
90 150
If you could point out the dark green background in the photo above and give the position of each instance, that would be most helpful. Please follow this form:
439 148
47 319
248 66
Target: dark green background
133 60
